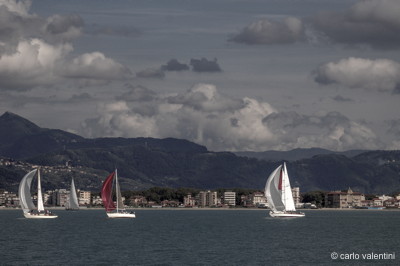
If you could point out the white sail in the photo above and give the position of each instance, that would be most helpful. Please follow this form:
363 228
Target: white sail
279 194
272 192
73 199
287 197
24 192
120 204
40 206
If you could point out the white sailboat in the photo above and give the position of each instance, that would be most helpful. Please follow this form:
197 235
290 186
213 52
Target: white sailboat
279 194
25 199
72 203
114 210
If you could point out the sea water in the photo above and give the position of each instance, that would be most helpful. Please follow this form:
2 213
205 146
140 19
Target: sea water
201 237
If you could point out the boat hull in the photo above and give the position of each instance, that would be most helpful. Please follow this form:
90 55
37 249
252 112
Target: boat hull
40 216
121 215
286 214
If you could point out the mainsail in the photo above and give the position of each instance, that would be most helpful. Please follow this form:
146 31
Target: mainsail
73 199
278 190
272 191
25 193
120 204
40 206
287 191
106 193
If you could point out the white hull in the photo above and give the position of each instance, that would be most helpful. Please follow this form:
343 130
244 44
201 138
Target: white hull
120 215
286 214
40 216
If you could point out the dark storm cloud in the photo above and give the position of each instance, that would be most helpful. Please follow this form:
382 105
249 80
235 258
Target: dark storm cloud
205 65
372 22
66 27
367 22
174 65
271 32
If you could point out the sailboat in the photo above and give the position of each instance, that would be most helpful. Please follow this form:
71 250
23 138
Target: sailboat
114 210
25 199
279 194
72 203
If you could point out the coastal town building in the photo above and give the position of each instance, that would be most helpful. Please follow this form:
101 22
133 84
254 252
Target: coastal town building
344 199
207 198
96 201
84 197
296 195
138 201
60 197
258 199
230 198
189 201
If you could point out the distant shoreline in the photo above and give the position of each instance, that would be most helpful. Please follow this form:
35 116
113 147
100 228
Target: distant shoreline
211 209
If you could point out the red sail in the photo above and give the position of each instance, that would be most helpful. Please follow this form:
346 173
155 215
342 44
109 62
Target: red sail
280 180
106 193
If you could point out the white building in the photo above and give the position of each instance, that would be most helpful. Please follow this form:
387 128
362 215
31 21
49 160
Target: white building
84 197
296 195
230 198
189 201
207 198
258 199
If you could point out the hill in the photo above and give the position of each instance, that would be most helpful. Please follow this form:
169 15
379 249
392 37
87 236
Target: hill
147 162
294 155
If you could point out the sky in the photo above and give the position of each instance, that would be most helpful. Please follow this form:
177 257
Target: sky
233 75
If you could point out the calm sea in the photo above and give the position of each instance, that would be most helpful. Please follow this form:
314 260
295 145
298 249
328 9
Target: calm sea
200 237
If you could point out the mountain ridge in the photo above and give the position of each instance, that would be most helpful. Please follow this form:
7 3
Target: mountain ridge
148 162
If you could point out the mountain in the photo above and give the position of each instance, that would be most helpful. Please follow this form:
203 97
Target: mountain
20 138
148 162
294 155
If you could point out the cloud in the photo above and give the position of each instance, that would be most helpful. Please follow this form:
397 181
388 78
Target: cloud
339 98
64 28
378 74
372 22
205 65
265 31
151 73
95 66
220 122
174 65
32 64
80 97
394 133
368 22
35 51
332 131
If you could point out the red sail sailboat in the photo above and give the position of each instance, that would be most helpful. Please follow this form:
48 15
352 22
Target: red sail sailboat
114 210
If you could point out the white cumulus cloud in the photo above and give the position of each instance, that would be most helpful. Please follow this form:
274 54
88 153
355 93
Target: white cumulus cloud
35 51
378 74
219 122
266 31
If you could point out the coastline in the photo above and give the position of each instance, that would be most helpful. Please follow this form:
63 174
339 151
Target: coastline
209 209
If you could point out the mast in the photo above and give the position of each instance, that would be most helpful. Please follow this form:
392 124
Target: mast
288 199
40 206
117 188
